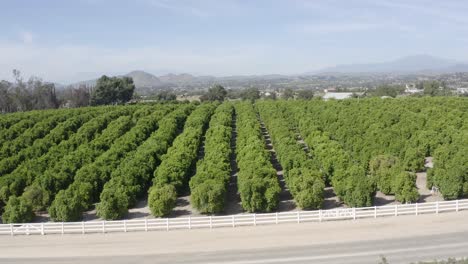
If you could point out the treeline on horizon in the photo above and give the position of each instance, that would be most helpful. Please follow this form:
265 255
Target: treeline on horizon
34 94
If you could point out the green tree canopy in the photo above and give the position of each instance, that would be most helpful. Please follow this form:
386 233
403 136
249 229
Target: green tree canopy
388 90
288 93
305 94
250 94
112 90
215 93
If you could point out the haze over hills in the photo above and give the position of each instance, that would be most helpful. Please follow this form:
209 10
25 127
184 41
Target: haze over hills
409 64
418 64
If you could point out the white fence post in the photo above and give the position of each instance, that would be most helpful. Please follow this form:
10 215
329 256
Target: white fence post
301 216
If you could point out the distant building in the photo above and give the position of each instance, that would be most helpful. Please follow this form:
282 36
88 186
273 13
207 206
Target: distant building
411 89
462 91
337 96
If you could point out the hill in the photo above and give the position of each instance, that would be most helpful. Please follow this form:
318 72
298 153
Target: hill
143 79
410 64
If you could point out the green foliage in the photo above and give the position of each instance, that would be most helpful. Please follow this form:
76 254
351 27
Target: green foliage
405 188
163 95
413 159
110 154
70 203
114 203
288 93
96 174
112 90
177 165
305 94
257 181
388 90
209 196
431 88
450 173
17 210
132 176
250 94
209 185
162 199
382 169
302 176
215 93
353 186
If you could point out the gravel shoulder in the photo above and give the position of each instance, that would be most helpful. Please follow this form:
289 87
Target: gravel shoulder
239 238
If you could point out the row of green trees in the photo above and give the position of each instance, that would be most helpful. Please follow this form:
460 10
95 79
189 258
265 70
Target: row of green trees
30 169
40 146
407 128
389 177
348 179
257 180
450 172
302 175
380 145
26 95
32 172
131 178
209 185
9 133
70 203
61 175
172 175
39 130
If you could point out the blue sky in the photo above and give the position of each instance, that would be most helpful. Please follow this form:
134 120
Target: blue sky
67 41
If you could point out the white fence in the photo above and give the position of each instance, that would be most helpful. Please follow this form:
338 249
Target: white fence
232 220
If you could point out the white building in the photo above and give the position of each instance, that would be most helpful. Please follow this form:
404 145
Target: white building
462 91
411 89
338 96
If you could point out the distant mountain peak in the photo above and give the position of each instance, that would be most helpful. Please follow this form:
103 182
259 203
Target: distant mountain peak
142 79
409 64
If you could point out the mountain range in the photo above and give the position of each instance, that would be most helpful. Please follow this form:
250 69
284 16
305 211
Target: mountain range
418 64
405 65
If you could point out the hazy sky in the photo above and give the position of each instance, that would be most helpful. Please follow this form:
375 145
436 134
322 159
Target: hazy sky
66 41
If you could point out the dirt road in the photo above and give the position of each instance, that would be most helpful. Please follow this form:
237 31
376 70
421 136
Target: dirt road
402 239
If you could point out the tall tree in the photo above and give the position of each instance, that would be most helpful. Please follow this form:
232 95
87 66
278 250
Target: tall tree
112 90
250 94
288 93
305 94
215 93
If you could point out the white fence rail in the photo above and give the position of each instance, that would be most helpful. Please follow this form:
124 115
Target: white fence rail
167 224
